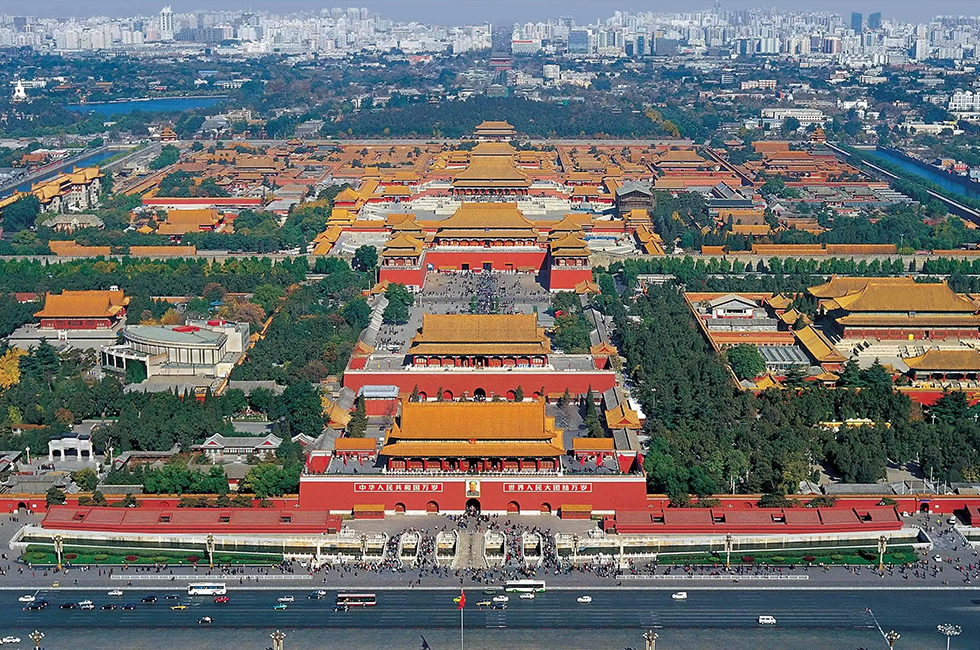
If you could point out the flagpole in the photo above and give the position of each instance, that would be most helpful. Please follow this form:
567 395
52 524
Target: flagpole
460 628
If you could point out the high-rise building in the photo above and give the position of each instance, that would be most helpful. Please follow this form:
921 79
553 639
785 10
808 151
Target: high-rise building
166 24
578 42
857 19
874 20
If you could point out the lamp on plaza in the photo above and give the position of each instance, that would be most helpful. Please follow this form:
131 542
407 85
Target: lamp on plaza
36 637
651 639
209 544
882 547
892 637
729 543
949 630
277 639
59 547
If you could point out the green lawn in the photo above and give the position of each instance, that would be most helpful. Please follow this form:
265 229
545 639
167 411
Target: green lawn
863 556
44 555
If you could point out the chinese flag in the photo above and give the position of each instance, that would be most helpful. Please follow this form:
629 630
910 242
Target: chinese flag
462 599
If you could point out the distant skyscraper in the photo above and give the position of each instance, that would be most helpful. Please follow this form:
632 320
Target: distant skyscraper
166 24
856 20
578 42
874 20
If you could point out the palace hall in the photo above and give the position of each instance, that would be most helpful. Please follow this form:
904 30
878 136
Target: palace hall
897 309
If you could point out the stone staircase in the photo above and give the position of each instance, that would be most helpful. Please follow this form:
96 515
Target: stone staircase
469 551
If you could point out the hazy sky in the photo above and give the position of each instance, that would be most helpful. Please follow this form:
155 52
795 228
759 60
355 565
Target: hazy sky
476 11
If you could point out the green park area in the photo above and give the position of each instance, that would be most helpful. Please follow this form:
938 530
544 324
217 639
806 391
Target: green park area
44 555
812 557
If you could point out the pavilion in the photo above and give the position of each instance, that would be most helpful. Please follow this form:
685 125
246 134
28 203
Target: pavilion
480 341
82 310
897 309
492 171
473 436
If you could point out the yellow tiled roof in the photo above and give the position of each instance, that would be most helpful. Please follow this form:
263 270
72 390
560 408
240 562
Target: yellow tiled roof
818 346
908 297
949 360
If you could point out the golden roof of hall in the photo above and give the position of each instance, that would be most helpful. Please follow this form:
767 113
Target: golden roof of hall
915 297
487 215
842 285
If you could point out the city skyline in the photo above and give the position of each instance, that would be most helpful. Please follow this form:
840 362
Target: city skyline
458 12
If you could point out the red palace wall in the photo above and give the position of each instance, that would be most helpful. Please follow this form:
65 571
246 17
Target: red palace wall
498 383
904 334
501 260
75 323
408 277
420 493
566 278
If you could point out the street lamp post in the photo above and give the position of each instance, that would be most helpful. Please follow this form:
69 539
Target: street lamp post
36 637
729 543
277 639
882 547
651 639
949 630
209 544
59 547
892 637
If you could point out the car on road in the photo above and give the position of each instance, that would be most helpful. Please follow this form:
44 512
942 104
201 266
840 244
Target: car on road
527 596
149 599
108 606
10 639
221 599
116 592
484 603
584 599
40 603
501 599
286 599
205 620
767 620
172 597
69 605
129 606
86 604
27 598
341 608
178 606
316 595
490 592
679 595
280 606
500 606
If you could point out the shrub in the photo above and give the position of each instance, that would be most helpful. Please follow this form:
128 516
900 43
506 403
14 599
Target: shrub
100 557
39 556
777 558
161 558
868 555
223 558
71 556
193 558
898 556
747 559
809 558
837 557
131 558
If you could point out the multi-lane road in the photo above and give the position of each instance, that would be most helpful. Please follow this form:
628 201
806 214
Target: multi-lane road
804 618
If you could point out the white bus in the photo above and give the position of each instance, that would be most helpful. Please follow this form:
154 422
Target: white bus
525 586
356 600
206 589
